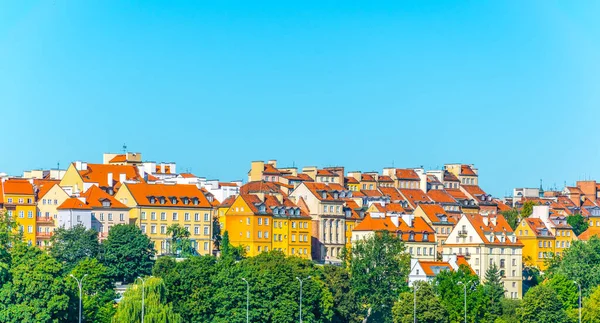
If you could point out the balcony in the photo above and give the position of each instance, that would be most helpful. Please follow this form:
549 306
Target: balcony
44 220
462 233
44 235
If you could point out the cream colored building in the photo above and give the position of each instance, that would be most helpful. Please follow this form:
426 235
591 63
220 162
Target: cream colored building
49 199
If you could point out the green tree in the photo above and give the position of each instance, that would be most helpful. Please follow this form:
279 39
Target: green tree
449 286
181 244
527 209
9 236
216 226
566 291
164 266
69 246
97 289
581 262
229 252
493 293
345 305
35 291
429 308
578 222
541 304
378 268
510 310
591 306
128 253
531 277
512 217
156 307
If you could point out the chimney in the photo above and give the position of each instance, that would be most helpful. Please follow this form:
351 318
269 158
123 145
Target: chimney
122 178
83 166
162 168
142 171
256 170
109 179
408 218
394 219
78 165
272 162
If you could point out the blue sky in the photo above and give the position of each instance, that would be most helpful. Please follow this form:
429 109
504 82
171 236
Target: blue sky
511 86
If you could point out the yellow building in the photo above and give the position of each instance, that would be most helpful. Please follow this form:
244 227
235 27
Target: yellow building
154 207
558 225
262 223
354 215
80 176
18 199
50 197
538 242
352 184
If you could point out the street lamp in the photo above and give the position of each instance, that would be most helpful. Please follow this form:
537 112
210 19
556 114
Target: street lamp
143 295
465 287
300 280
79 284
247 300
579 285
415 306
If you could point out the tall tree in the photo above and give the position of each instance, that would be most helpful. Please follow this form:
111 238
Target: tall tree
512 217
216 229
578 222
36 289
69 246
128 253
494 293
97 289
591 306
378 267
527 209
9 237
345 305
566 291
449 286
581 262
156 307
180 241
541 305
429 308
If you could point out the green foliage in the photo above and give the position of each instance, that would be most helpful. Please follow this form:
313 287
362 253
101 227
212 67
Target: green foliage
591 306
510 309
9 236
581 262
527 209
345 305
578 222
156 308
216 236
429 307
229 252
531 277
493 293
566 291
97 288
451 294
69 246
181 244
541 304
128 253
35 291
512 216
379 268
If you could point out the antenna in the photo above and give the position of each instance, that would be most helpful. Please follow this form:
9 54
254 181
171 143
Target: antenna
124 148
58 165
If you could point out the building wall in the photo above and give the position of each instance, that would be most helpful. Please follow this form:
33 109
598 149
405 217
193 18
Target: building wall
73 217
23 210
47 213
72 179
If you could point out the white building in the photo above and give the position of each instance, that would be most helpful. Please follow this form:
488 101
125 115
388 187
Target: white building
422 270
74 211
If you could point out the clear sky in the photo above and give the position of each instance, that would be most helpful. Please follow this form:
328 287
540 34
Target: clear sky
511 86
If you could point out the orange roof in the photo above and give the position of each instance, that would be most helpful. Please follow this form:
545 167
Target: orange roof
319 188
379 207
473 190
378 224
461 261
590 232
228 201
367 178
409 174
228 184
94 197
18 187
449 177
384 178
537 225
441 196
573 189
187 175
501 206
467 170
261 187
98 173
305 177
372 193
501 226
351 204
375 224
271 170
456 193
392 193
270 202
351 180
118 159
414 196
44 186
434 211
395 207
431 268
142 192
324 172
74 203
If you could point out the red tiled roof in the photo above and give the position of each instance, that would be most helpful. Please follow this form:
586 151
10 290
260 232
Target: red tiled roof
392 193
441 196
261 187
467 170
95 195
73 203
318 188
449 177
187 175
590 232
271 170
367 178
45 186
142 191
456 193
384 178
461 261
14 186
372 193
98 173
433 211
228 184
473 190
118 159
414 196
228 201
324 172
404 174
429 265
351 180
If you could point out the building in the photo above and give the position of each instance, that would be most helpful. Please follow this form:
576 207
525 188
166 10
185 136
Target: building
109 177
466 174
485 240
73 212
563 232
106 211
423 270
538 242
439 220
50 197
18 200
155 207
404 177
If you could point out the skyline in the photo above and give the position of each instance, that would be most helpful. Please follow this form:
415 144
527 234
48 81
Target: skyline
511 87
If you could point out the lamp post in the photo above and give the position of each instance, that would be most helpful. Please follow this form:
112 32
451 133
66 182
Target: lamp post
579 285
300 280
465 287
247 300
143 295
79 284
415 302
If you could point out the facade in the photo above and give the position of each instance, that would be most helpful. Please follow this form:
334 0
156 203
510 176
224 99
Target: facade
18 199
487 240
466 174
106 210
562 231
422 270
154 207
50 197
73 212
538 242
439 220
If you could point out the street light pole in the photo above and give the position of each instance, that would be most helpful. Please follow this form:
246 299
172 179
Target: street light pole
247 300
79 284
143 295
415 302
579 285
465 286
300 280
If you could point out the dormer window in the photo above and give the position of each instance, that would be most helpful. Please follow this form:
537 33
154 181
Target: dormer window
261 208
411 236
162 200
342 194
324 195
297 211
185 200
152 199
195 200
425 236
105 203
399 234
335 196
349 194
275 211
173 200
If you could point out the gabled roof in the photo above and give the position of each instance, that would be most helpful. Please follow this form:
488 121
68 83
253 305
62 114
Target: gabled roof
228 201
407 174
118 159
95 195
375 224
98 173
372 193
317 189
414 196
481 228
432 268
395 208
367 178
261 187
74 203
456 194
590 232
449 177
271 170
350 180
325 172
537 225
467 170
501 206
142 192
474 190
385 178
44 186
16 186
434 211
441 196
392 193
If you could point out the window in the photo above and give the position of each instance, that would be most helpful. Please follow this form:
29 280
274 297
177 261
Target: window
248 234
163 216
109 216
540 244
143 216
55 202
259 248
206 230
206 246
9 200
337 209
196 217
259 234
30 229
293 224
28 201
20 201
30 214
186 216
293 238
266 221
79 218
121 217
163 229
325 209
175 216
247 221
44 201
540 255
259 221
143 228
153 229
196 230
514 262
266 234
21 214
293 251
331 209
153 216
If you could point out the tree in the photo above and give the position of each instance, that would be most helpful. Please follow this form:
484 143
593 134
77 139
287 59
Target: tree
226 252
9 236
35 290
527 209
229 252
591 306
451 294
180 241
128 253
98 293
581 262
510 310
345 306
541 304
566 291
512 217
216 228
578 222
156 307
378 267
531 277
493 292
69 246
429 308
